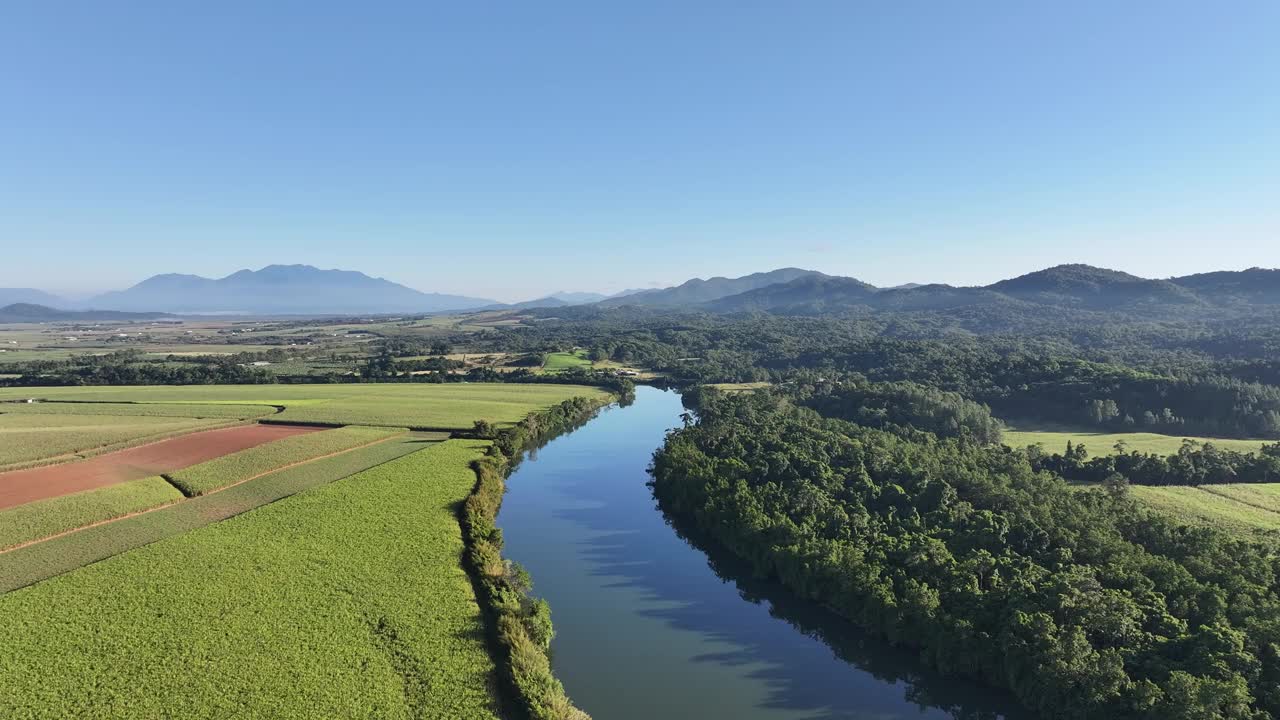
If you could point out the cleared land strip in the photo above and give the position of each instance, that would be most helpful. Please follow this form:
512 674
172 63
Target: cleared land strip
346 601
18 487
1201 505
72 549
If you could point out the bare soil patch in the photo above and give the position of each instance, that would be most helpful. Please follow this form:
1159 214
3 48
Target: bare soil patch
23 486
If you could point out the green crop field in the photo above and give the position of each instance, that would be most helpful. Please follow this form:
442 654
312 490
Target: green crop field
558 361
421 405
27 439
1233 507
49 517
348 600
33 563
1099 443
187 410
255 461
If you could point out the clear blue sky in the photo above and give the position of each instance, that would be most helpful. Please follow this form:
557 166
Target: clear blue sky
512 149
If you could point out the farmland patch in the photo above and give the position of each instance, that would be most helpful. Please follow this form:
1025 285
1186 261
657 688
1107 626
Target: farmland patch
44 518
23 486
52 557
337 572
256 461
29 440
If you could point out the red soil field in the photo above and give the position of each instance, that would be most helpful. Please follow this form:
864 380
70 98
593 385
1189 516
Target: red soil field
23 486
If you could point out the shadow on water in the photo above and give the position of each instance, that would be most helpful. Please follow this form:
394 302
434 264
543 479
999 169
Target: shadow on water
809 663
797 678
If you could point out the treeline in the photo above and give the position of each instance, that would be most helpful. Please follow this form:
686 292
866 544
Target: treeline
1128 377
906 405
1078 601
521 624
126 368
1194 464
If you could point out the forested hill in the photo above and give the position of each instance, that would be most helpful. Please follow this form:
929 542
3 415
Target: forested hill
31 313
697 290
1075 290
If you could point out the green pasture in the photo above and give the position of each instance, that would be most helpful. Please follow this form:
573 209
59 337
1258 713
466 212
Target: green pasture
559 361
1102 443
1242 509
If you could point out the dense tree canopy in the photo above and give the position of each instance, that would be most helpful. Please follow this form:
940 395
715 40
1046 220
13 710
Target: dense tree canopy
1079 601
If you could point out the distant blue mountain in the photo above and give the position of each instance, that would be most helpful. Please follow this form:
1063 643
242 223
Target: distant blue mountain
280 289
30 296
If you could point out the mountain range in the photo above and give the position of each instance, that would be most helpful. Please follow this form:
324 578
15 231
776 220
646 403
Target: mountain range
302 289
280 289
1056 289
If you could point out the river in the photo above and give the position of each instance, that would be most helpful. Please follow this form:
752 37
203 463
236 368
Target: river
653 623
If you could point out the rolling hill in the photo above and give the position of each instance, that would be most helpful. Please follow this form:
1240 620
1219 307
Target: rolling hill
1252 286
29 313
1093 288
1050 292
698 291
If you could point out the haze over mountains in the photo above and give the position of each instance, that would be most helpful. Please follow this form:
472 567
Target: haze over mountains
302 289
285 289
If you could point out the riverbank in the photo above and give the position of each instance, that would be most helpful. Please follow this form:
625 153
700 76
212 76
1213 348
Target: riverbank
520 628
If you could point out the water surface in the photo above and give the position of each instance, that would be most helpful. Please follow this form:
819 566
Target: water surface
652 622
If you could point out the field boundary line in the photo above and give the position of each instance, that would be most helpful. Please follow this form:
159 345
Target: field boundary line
1246 503
186 497
96 523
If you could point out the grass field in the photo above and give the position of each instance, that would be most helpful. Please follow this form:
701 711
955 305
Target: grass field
49 517
740 387
1242 509
559 361
414 405
236 467
31 438
1098 443
348 600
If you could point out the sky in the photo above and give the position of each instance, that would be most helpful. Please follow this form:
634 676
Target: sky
509 150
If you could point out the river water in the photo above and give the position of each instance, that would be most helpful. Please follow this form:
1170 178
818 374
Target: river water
651 622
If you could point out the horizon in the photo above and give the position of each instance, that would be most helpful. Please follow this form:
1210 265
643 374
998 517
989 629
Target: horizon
924 281
512 154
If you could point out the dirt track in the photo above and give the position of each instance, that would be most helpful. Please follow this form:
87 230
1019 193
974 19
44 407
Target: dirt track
23 486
